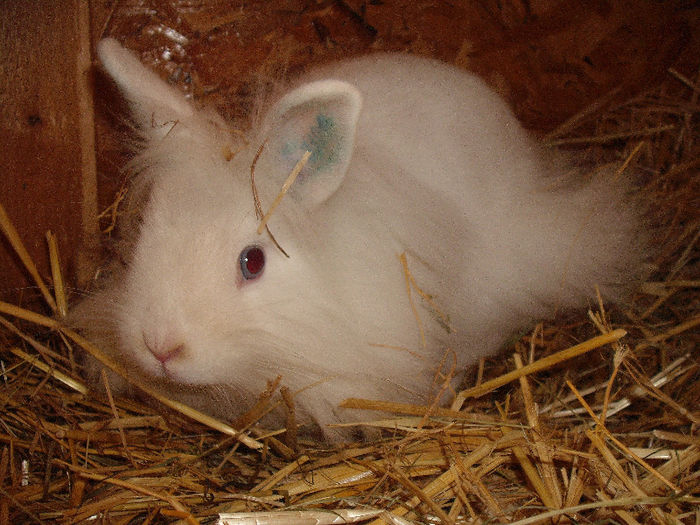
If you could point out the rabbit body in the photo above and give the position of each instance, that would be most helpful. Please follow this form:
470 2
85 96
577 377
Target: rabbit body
408 156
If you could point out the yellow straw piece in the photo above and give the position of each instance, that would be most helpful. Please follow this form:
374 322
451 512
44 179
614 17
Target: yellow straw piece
13 237
541 364
59 289
36 361
285 187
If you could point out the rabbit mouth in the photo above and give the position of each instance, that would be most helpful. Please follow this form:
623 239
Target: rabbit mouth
165 372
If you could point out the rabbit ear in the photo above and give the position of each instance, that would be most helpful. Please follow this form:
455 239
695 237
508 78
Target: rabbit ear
155 104
319 117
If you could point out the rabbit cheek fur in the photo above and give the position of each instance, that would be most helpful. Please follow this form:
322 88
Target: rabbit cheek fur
408 156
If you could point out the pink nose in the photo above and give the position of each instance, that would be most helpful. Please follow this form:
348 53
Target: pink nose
164 352
166 356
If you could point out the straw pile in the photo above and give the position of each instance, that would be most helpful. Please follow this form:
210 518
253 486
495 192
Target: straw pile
610 436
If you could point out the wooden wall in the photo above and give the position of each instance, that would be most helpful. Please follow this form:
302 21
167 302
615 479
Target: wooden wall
47 170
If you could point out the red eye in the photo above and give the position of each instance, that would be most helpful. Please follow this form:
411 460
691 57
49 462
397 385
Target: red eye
252 262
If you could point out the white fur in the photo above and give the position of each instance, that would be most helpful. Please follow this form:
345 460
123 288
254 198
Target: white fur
421 159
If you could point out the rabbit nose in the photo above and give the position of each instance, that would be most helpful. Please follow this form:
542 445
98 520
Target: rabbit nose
163 351
167 355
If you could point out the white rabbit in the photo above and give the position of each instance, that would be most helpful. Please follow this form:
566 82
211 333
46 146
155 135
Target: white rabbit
408 156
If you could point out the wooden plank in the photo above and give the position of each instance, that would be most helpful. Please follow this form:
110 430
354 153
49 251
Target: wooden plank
47 135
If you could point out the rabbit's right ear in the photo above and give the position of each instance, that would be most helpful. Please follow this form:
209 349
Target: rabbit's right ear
320 117
155 104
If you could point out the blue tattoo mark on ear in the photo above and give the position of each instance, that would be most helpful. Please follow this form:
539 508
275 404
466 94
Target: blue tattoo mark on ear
323 143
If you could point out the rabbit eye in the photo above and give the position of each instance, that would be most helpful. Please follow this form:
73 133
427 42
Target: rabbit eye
252 262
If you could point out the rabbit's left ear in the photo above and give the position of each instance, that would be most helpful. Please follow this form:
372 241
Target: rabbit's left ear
319 117
154 103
